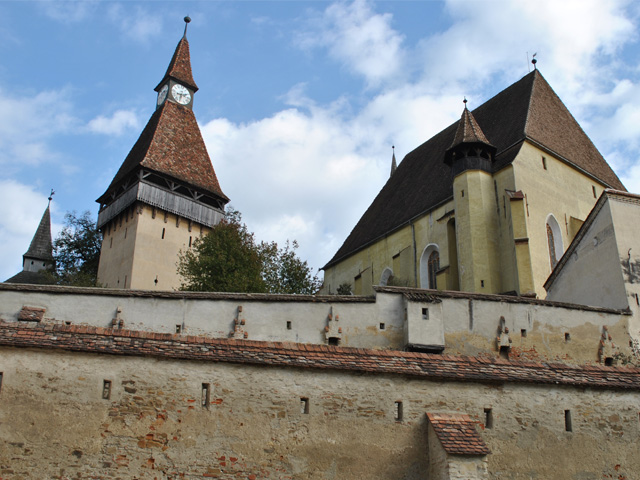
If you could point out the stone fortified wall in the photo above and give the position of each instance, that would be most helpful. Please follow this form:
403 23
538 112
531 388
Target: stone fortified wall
89 402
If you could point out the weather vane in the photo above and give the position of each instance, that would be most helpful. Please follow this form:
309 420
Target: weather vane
534 61
51 196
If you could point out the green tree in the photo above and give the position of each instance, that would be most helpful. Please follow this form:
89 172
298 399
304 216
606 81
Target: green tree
229 259
76 251
225 260
284 272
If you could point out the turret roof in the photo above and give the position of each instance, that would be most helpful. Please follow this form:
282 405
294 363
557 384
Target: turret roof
41 248
528 110
468 130
180 66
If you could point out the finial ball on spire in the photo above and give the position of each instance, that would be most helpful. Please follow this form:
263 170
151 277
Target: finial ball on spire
187 19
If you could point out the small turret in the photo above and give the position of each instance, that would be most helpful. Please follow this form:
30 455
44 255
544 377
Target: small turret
470 149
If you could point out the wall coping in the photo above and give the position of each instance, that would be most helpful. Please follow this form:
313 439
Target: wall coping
435 367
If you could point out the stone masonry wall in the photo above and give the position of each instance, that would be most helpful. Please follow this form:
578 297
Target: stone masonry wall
292 411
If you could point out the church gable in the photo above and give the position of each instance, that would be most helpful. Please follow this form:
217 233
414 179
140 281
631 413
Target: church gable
528 110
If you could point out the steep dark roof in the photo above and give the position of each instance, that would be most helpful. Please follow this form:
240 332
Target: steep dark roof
171 144
527 110
33 278
40 247
180 66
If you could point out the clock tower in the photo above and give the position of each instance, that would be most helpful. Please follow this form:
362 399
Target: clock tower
164 195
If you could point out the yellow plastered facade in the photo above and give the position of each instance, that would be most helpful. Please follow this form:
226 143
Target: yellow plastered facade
142 245
500 236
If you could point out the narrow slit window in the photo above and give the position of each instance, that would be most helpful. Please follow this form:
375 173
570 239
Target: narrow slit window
0 381
163 233
398 411
567 421
567 336
462 193
425 314
594 191
190 239
488 418
382 326
523 332
304 405
544 163
111 242
178 328
288 324
106 389
206 395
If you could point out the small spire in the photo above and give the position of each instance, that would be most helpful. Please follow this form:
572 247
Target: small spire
534 61
51 197
394 165
187 21
465 102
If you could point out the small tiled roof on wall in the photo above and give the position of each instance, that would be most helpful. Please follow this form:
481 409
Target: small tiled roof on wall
527 110
296 355
458 434
171 144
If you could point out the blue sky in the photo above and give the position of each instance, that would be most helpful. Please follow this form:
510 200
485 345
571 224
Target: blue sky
299 101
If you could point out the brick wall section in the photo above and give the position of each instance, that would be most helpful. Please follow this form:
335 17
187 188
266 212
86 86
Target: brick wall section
434 367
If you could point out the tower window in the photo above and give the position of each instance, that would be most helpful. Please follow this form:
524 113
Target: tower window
544 163
0 381
425 313
288 324
594 191
190 242
304 405
111 242
163 234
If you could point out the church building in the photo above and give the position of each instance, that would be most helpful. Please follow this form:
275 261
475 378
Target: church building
165 194
487 205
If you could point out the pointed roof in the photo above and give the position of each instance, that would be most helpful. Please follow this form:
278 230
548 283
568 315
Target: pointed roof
394 164
468 130
180 66
528 110
171 144
41 245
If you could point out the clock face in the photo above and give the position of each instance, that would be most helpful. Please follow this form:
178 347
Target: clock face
180 94
162 94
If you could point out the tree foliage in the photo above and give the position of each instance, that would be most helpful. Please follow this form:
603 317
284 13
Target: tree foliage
229 259
76 251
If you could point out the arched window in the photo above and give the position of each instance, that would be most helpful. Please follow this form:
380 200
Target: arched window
429 266
434 266
554 241
387 274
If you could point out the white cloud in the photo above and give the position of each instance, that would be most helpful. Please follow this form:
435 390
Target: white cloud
361 39
117 124
27 123
141 24
69 11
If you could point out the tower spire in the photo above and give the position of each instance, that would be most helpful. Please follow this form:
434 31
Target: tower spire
394 165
